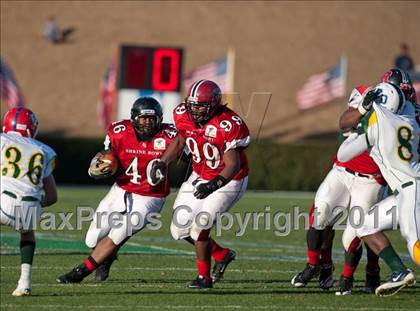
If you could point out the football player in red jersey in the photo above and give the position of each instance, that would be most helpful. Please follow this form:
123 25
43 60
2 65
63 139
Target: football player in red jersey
216 138
134 198
356 183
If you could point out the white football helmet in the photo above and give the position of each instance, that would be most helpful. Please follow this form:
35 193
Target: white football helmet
390 96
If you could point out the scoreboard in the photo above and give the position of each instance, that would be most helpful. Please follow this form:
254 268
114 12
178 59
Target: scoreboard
149 71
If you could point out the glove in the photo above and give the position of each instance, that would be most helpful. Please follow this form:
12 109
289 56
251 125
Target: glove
367 103
157 172
99 169
203 190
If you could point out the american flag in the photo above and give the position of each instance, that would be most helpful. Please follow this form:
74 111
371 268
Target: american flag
323 87
107 95
9 89
216 71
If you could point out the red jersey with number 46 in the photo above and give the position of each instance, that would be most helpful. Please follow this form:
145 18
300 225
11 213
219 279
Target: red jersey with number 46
207 144
136 157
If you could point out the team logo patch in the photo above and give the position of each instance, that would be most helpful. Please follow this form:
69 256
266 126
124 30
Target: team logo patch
211 131
159 144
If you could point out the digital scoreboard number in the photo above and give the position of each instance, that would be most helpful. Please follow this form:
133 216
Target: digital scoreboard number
150 68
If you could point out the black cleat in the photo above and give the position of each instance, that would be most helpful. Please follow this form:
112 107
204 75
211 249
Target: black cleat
200 282
219 267
397 281
345 286
302 278
372 281
74 276
102 272
326 278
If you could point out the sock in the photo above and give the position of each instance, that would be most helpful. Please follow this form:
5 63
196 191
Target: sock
314 240
373 260
217 252
203 267
326 257
27 250
25 276
392 259
351 261
90 264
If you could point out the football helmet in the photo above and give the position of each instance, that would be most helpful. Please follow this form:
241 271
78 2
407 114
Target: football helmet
390 96
204 98
146 116
401 79
21 120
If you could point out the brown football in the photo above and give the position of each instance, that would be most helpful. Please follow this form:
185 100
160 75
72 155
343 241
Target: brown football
112 161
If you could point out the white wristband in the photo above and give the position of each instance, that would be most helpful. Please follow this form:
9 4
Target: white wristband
362 110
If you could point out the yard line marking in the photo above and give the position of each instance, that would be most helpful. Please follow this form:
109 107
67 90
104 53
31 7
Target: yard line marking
162 269
201 307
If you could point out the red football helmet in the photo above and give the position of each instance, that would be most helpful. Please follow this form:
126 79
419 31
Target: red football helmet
401 79
204 98
20 120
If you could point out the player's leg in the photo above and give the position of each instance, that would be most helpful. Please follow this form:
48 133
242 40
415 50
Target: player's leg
27 250
99 228
364 193
217 203
332 195
22 216
371 233
326 278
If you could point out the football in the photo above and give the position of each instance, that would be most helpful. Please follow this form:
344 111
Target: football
112 161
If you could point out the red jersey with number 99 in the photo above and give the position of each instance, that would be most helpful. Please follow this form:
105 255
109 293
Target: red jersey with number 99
207 144
136 157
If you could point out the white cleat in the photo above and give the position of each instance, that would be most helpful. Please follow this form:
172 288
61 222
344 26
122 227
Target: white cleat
19 292
396 282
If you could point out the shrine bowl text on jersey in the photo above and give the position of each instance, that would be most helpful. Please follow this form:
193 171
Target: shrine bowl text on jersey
207 144
136 157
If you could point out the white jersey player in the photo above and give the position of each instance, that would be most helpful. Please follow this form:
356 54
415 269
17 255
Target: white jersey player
27 184
393 141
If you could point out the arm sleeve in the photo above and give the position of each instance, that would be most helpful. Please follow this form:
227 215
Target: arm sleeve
51 158
351 147
237 135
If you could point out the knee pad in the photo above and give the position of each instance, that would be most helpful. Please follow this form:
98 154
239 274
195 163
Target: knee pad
416 253
321 215
179 233
201 224
350 240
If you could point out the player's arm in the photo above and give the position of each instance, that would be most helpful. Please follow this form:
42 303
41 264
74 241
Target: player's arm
353 146
50 191
351 117
174 150
159 167
99 168
232 166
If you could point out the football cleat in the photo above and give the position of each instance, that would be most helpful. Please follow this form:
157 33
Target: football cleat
302 278
219 267
345 286
19 292
397 281
102 272
372 281
200 282
326 278
74 276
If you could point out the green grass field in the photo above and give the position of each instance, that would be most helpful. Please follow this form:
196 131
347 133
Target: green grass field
153 269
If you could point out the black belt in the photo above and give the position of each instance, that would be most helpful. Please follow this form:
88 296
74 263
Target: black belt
357 173
26 198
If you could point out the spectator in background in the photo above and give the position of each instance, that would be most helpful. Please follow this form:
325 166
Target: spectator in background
54 34
404 61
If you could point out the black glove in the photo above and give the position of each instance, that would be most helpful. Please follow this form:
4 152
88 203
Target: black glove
368 101
203 190
157 172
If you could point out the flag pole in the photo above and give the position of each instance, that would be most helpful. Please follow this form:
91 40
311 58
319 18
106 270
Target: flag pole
230 76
